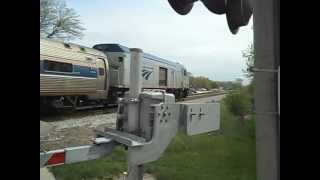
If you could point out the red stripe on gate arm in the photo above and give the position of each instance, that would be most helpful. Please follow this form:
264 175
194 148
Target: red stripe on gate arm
57 158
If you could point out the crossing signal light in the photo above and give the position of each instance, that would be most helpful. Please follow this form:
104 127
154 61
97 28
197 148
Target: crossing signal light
182 7
238 12
216 6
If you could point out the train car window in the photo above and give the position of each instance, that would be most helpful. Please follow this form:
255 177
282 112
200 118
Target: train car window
101 71
163 76
66 45
82 49
120 59
57 66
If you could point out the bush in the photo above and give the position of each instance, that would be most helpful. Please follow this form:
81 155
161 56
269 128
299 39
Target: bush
239 103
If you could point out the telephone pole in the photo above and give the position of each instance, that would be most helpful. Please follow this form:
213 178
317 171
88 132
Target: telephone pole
266 20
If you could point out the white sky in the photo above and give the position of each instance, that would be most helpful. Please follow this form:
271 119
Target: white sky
200 40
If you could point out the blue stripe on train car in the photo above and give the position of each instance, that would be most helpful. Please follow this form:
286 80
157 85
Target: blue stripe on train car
85 71
79 71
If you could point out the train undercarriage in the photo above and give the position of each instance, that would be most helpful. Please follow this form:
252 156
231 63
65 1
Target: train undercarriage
53 103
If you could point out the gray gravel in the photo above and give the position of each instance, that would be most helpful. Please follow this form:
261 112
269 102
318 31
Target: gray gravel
72 132
88 121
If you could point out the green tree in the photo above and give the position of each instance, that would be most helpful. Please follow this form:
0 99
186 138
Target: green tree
202 82
239 103
248 54
229 85
214 85
58 21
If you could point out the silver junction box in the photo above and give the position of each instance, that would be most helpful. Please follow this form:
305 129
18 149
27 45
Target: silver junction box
199 118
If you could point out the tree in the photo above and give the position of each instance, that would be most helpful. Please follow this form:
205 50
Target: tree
202 82
214 85
58 21
229 85
239 104
248 54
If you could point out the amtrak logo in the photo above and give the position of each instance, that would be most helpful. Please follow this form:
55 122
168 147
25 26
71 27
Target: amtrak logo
146 74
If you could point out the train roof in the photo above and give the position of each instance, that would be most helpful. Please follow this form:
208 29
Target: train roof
69 46
155 58
112 48
124 49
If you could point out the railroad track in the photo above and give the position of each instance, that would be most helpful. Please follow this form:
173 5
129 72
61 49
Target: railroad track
197 96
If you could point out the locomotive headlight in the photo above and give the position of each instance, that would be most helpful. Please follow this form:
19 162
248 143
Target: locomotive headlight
238 14
216 6
182 7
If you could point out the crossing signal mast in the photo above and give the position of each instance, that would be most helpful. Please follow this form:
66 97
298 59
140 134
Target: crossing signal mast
238 12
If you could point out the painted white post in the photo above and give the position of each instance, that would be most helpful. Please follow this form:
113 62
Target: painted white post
135 89
135 172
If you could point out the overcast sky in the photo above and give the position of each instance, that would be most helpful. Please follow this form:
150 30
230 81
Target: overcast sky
200 40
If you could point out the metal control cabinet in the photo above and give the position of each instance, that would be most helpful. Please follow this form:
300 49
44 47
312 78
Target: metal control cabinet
200 118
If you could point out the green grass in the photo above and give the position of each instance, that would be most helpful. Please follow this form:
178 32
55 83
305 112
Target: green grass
226 156
229 155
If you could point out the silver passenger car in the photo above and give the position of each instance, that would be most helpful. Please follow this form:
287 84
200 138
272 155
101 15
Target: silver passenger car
71 74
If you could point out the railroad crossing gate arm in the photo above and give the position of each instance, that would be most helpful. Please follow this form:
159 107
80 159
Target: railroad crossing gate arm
101 147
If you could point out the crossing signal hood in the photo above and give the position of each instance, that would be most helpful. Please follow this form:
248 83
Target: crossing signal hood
238 12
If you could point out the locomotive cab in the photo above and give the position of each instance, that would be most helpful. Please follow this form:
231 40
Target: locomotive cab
157 73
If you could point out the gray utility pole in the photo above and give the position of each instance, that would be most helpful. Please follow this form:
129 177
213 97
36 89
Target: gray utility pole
266 20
